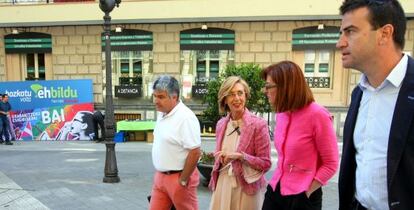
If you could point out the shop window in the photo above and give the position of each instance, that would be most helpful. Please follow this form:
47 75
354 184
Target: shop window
318 68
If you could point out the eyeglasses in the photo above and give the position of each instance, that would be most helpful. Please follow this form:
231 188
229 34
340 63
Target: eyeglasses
269 86
234 94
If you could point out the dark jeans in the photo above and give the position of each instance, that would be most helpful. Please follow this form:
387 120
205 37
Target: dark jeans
274 200
5 128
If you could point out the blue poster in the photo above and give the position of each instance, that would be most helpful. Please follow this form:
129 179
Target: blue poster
48 93
50 110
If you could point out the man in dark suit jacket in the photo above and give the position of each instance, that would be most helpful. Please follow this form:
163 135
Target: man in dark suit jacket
377 167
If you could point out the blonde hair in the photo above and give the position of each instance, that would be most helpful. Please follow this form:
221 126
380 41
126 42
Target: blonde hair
225 89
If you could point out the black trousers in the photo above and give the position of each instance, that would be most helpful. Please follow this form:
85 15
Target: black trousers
274 200
357 206
98 120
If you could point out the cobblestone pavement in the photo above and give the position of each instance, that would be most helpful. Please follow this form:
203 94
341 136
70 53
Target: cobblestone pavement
68 175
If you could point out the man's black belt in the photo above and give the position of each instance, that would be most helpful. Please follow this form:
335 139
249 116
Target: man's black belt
171 172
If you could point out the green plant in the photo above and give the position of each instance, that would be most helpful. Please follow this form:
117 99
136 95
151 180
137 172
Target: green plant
207 158
249 72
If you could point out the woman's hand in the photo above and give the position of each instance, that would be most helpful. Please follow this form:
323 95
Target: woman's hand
232 156
226 158
220 156
314 186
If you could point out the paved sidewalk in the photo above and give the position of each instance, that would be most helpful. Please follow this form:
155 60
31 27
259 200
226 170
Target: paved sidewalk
68 175
12 196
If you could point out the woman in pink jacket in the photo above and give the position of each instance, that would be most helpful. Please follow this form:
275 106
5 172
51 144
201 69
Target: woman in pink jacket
242 152
304 139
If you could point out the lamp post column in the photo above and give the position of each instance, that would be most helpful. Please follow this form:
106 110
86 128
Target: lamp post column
111 168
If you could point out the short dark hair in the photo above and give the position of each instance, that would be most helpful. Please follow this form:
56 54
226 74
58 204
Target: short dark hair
382 12
292 92
86 117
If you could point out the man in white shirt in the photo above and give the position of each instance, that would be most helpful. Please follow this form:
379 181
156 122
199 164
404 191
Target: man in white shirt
377 167
176 149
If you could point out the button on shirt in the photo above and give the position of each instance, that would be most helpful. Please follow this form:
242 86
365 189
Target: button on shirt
371 137
175 134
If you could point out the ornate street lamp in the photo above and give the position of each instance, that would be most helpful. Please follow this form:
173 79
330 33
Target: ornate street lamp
111 168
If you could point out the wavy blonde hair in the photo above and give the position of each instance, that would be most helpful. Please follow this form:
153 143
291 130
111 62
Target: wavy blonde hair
225 89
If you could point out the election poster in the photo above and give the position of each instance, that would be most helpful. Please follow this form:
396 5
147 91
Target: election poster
50 110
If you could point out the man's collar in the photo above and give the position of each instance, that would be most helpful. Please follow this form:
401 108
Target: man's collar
395 77
164 115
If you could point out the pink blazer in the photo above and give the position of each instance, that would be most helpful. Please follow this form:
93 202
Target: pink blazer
307 149
254 143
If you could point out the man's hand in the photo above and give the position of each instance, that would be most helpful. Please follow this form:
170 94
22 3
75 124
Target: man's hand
183 183
190 164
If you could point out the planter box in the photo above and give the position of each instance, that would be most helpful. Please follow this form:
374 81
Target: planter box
205 170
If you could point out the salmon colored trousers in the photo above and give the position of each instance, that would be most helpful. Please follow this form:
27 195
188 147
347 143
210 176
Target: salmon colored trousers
166 191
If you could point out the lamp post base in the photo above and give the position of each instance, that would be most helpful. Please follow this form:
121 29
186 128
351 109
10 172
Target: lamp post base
111 179
111 168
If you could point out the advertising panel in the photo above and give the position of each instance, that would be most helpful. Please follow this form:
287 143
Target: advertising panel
50 110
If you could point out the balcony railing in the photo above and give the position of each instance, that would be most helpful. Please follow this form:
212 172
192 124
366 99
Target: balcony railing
25 2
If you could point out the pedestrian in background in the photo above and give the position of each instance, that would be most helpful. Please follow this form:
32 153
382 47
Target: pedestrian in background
98 125
176 149
304 139
5 128
242 151
377 166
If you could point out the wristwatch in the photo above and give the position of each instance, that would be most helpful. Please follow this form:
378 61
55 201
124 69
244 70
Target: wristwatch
183 183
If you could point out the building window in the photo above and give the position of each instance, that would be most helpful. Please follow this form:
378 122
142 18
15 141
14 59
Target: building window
28 56
133 68
131 62
33 66
200 66
207 63
318 68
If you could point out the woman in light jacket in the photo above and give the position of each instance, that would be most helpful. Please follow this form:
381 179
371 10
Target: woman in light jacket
304 139
242 152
